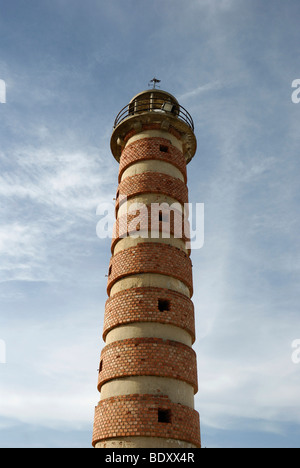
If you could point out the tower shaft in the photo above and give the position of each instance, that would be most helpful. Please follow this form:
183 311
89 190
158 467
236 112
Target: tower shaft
148 370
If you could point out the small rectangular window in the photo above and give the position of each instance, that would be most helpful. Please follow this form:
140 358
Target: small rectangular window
163 305
164 216
163 148
101 366
110 270
164 416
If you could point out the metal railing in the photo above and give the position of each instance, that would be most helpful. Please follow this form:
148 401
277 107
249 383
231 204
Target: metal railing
158 105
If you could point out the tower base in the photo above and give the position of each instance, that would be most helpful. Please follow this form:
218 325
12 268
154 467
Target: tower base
129 420
144 442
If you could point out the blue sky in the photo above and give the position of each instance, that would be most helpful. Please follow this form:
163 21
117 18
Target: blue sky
69 67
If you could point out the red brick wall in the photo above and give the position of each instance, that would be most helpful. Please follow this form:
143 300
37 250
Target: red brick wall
148 356
152 182
151 258
137 416
149 149
141 305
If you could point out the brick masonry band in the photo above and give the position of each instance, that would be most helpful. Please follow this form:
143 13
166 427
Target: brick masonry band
142 305
176 223
152 182
140 416
150 149
148 356
154 258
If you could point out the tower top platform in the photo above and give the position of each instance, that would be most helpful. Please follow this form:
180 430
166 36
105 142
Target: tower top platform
154 106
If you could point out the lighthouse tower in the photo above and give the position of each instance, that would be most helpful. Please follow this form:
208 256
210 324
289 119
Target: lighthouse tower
148 370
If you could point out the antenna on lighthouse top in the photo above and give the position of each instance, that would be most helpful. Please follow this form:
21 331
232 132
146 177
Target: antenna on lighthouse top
154 81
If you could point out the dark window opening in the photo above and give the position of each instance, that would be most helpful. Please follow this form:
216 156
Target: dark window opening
164 416
163 216
109 270
163 149
163 305
100 366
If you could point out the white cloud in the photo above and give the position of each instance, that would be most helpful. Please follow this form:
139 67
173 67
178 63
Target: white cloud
56 360
245 275
215 85
50 196
16 240
56 177
244 363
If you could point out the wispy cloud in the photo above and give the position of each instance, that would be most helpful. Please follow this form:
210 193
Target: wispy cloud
215 85
49 197
48 357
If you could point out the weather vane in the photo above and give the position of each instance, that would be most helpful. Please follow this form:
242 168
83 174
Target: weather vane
154 81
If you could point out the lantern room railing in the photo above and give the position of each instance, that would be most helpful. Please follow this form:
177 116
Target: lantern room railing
157 105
